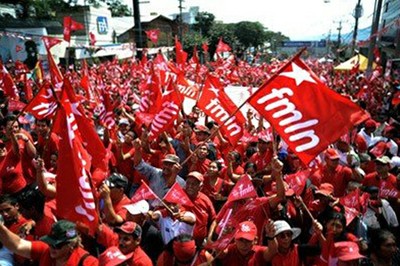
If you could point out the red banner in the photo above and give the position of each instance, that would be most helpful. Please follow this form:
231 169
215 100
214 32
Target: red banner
304 111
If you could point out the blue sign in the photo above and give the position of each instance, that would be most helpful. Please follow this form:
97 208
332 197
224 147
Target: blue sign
319 44
102 25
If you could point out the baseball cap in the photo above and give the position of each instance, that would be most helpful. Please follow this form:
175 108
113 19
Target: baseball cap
117 180
282 226
131 228
123 121
171 158
201 128
347 250
383 160
332 154
196 175
184 251
325 189
113 256
370 123
140 207
61 232
246 230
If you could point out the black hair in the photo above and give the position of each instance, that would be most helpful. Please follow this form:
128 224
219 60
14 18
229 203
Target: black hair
32 197
218 163
237 156
7 198
46 120
250 165
378 238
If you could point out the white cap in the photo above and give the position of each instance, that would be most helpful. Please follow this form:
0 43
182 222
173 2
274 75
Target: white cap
140 207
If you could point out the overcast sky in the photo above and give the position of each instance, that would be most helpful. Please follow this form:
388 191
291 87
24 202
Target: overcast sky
297 19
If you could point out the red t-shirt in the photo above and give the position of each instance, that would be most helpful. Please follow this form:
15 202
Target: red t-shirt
233 257
338 178
139 258
289 259
48 147
204 211
119 207
200 166
40 251
261 160
374 180
43 226
11 172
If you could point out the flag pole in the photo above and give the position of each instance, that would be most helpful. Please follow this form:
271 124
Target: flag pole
298 54
158 198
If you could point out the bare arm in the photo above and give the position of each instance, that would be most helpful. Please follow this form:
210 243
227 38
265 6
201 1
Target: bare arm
14 243
47 189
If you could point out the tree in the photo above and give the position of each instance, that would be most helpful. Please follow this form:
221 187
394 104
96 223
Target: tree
204 22
250 34
191 40
226 31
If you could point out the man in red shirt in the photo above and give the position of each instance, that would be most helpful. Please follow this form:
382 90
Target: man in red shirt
244 251
61 247
127 238
381 174
262 158
334 173
112 192
47 143
202 208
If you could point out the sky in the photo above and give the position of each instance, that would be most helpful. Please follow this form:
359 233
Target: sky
297 19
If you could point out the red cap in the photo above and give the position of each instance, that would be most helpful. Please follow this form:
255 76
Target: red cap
332 154
326 189
113 256
246 230
196 175
347 250
370 123
184 251
130 228
379 149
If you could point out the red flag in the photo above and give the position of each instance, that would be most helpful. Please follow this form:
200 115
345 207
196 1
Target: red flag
177 195
377 55
18 48
387 190
69 26
14 105
204 46
215 103
187 87
171 104
153 35
195 58
222 47
351 200
75 200
106 113
297 181
350 214
144 192
396 98
181 55
43 104
50 42
7 83
243 189
151 96
91 140
301 109
92 38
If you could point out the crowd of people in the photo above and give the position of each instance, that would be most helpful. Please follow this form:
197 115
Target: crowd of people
342 209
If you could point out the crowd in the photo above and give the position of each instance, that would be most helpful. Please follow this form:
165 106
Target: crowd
253 203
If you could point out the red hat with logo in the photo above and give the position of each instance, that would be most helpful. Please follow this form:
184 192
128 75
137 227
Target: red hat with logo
325 189
332 154
347 251
113 256
246 230
370 123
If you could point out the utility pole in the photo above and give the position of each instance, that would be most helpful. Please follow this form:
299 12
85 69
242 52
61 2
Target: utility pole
372 41
180 21
339 41
137 29
358 10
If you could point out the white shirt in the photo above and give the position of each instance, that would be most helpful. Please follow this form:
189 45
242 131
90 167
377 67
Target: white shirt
371 220
171 228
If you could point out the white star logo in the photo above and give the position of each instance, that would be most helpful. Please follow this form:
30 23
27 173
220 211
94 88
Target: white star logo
215 90
298 74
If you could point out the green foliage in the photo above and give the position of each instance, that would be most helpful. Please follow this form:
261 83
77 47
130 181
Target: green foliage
250 34
226 31
191 40
204 22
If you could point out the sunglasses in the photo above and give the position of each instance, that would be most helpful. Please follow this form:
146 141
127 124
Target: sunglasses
59 245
